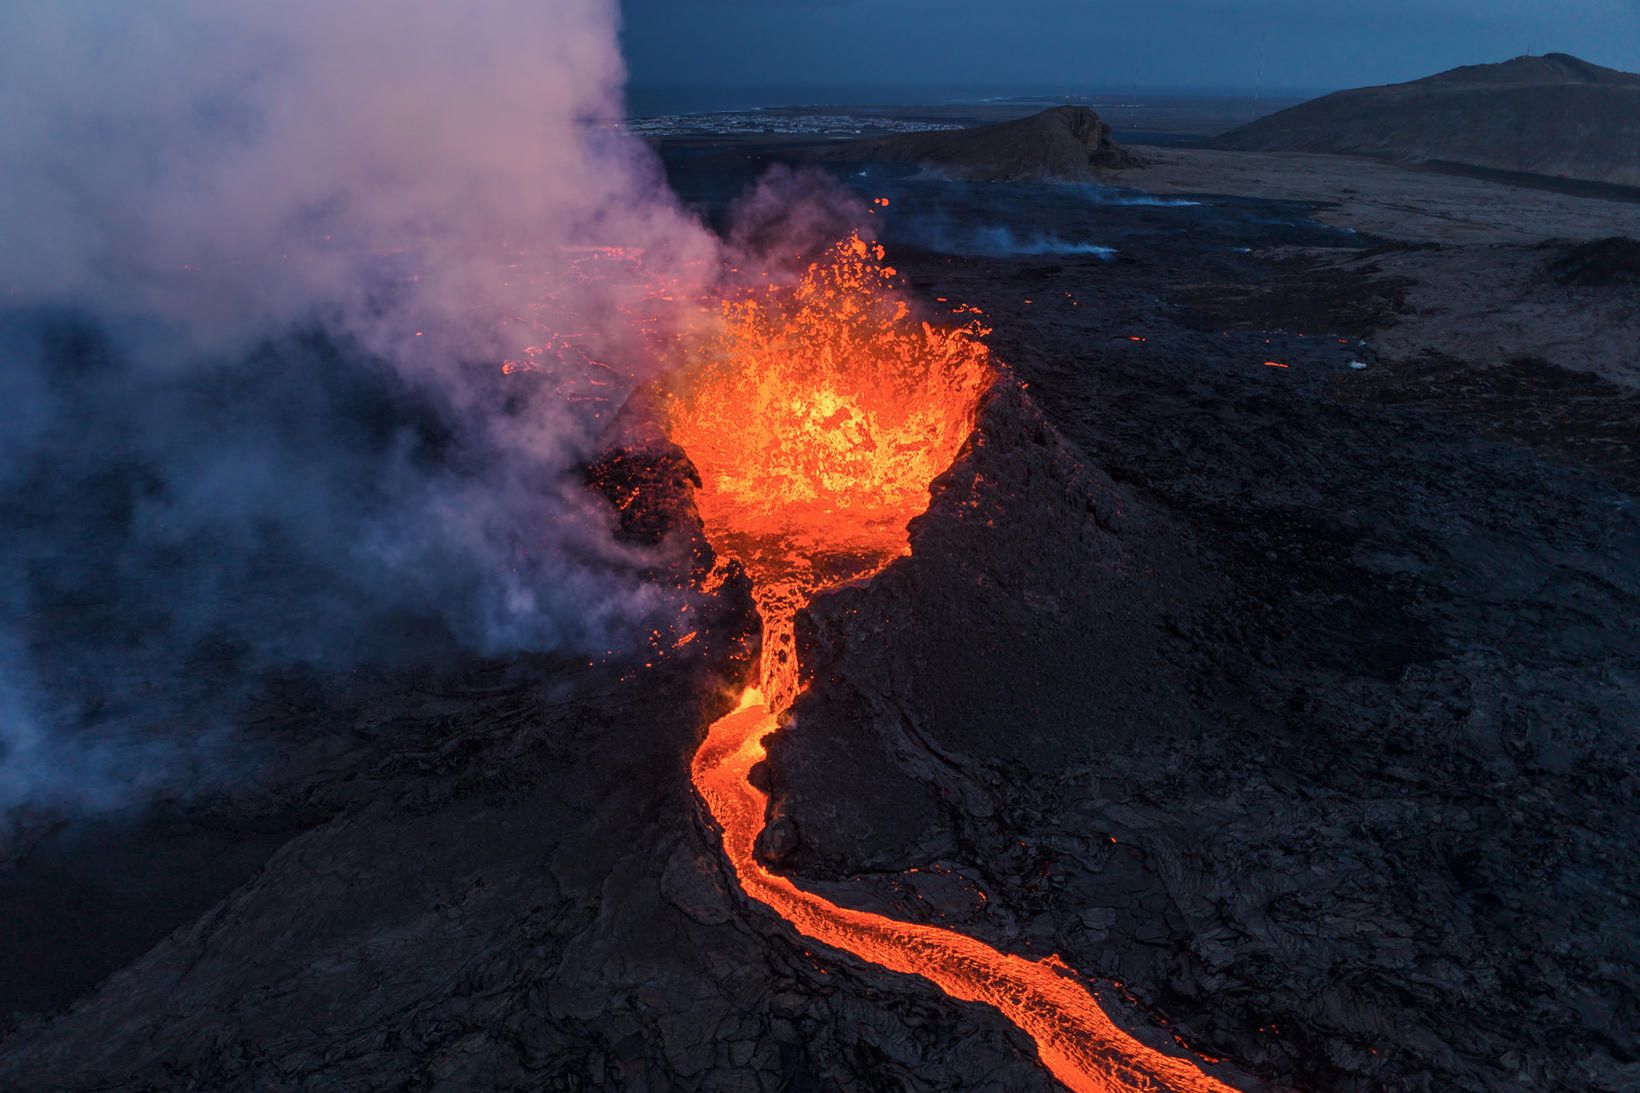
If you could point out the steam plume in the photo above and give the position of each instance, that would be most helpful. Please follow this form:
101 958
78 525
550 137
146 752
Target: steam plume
262 266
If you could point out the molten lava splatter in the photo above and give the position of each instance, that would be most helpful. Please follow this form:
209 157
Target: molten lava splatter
817 418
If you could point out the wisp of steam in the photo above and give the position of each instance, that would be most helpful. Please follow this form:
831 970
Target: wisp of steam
263 266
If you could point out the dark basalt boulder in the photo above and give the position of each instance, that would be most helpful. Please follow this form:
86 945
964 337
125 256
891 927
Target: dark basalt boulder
1614 261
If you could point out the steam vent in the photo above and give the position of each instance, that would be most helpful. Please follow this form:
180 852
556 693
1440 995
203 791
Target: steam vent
532 558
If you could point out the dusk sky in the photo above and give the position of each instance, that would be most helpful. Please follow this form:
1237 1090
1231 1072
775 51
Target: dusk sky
1281 44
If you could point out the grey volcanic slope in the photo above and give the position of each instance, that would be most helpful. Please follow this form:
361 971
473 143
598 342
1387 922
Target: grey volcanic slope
1068 143
1553 115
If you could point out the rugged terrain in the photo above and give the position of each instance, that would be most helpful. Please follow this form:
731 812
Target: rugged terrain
1554 115
1353 680
1289 701
1447 266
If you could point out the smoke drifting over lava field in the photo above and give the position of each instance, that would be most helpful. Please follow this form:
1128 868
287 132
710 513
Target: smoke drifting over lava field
487 602
255 322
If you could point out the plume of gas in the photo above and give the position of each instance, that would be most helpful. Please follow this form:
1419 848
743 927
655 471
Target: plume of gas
264 266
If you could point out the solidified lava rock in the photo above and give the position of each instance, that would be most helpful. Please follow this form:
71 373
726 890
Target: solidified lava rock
1031 621
651 483
1351 812
1614 261
651 488
1306 714
778 840
506 884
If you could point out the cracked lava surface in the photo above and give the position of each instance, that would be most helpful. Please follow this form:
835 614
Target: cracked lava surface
817 416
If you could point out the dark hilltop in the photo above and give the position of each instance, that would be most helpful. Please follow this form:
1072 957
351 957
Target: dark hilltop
1554 115
1065 143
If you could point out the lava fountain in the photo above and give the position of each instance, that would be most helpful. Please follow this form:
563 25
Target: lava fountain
817 416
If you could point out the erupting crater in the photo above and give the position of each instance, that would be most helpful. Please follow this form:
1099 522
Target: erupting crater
817 415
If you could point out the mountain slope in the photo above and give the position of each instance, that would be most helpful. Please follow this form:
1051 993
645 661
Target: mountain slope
1554 115
1065 143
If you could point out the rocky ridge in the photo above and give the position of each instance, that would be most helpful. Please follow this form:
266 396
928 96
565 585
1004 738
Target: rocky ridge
1554 116
1063 144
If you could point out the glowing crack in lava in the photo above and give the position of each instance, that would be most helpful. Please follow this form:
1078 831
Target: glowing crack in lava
817 417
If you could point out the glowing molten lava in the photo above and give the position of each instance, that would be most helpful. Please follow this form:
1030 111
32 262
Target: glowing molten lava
817 417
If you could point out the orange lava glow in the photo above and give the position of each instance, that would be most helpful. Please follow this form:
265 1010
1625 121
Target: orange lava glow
817 417
1075 1040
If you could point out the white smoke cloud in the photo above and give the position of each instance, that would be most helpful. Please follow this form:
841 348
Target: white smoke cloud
233 164
262 263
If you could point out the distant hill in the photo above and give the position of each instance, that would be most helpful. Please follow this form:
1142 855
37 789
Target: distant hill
1554 115
1066 143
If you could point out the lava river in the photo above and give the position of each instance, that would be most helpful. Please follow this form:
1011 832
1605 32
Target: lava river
817 418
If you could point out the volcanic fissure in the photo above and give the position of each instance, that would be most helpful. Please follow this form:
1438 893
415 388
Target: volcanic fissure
817 417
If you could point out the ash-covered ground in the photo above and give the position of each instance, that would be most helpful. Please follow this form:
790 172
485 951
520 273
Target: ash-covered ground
1290 701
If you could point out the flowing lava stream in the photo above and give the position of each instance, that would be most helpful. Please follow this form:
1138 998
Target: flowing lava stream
817 421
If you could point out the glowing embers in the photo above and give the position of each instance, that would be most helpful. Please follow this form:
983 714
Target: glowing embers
821 412
817 415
